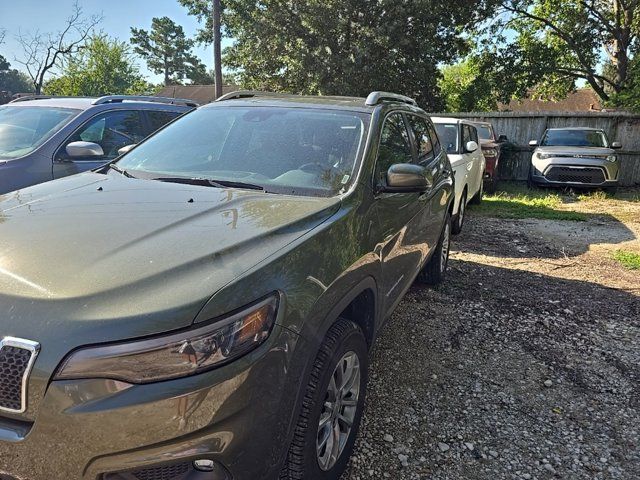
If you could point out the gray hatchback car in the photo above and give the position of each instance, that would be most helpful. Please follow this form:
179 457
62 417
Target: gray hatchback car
43 138
203 308
575 157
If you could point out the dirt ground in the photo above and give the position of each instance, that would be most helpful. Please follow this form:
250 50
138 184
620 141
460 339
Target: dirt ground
525 364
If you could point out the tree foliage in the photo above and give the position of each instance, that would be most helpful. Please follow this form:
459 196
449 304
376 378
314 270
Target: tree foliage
166 49
468 87
11 80
344 47
629 97
560 42
104 66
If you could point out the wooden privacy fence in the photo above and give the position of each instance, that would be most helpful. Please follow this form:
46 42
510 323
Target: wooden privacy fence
521 127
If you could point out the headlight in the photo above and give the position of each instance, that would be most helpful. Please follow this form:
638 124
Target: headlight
542 156
612 158
490 152
177 355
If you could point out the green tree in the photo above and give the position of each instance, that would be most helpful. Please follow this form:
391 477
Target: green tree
12 80
199 75
104 66
166 49
468 86
560 42
629 98
345 47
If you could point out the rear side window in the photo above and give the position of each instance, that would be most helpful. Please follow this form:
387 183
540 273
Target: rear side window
157 120
424 139
395 146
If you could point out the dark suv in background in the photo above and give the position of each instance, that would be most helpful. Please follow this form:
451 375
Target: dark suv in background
42 138
203 307
492 149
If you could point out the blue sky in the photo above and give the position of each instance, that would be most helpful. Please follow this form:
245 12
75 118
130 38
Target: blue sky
119 16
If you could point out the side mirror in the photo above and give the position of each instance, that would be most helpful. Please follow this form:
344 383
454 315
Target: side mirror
616 145
84 150
502 138
126 149
533 143
406 177
471 147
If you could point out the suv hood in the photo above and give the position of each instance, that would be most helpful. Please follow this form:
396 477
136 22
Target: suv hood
110 257
573 151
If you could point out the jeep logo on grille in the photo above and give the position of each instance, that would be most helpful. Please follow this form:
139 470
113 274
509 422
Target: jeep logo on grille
16 360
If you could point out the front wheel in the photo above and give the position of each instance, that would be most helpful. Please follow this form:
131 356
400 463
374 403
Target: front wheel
332 407
434 271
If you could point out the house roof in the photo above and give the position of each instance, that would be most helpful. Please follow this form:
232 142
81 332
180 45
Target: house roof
582 100
200 94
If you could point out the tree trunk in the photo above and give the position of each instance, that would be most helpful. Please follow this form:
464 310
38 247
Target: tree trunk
217 45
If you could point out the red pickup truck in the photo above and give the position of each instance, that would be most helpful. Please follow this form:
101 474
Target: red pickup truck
492 151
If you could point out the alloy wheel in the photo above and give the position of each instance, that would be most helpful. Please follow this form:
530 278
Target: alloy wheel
446 243
339 410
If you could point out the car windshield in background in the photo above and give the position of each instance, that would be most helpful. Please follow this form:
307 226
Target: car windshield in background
575 138
484 132
284 150
23 129
448 134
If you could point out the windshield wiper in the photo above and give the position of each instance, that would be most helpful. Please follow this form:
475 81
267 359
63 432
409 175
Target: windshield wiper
206 182
120 170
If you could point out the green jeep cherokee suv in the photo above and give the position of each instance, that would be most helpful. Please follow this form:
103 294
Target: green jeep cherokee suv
203 307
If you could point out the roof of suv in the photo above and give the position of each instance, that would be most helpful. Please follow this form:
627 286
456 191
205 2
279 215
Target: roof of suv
247 98
576 128
452 120
84 103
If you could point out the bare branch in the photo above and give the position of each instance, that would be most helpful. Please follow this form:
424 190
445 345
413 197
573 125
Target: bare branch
41 53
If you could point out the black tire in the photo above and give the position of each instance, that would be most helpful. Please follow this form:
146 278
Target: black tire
477 199
459 218
344 338
435 270
491 186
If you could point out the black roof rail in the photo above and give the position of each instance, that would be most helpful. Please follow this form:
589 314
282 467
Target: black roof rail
250 94
143 98
376 98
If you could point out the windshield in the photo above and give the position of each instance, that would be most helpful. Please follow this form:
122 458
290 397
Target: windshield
484 132
284 150
23 129
575 138
448 135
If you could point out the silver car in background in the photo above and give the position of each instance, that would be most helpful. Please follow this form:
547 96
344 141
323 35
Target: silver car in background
43 138
575 157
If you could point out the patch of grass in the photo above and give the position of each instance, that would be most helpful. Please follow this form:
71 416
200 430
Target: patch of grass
628 260
534 204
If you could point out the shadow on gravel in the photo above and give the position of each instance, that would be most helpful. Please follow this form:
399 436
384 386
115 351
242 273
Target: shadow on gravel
505 374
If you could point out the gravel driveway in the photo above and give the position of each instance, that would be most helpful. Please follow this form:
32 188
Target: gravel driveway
524 365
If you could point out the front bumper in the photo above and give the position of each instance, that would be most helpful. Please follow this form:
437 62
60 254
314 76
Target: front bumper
238 415
582 173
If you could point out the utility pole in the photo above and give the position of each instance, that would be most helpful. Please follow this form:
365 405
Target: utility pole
217 45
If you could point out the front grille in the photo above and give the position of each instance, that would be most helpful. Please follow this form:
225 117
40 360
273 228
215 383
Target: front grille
170 472
575 175
14 363
177 471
